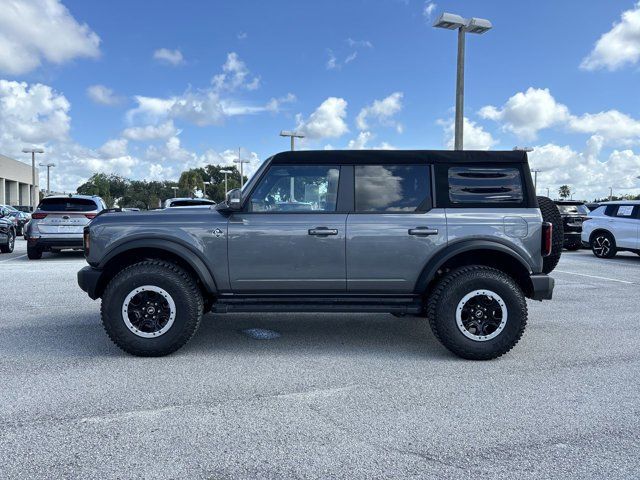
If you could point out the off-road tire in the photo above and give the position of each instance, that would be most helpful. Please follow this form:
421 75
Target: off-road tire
612 244
179 284
34 253
11 243
550 213
447 294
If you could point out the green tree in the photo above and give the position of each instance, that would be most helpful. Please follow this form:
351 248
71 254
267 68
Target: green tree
190 181
564 191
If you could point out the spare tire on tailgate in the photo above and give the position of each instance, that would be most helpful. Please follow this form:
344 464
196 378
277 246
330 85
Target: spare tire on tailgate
550 213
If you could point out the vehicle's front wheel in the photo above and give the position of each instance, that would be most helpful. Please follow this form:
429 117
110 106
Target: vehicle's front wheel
477 312
603 245
11 242
151 308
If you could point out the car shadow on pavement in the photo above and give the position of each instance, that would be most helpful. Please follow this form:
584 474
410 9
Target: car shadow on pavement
340 334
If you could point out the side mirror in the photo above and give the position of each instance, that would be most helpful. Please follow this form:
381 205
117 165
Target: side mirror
234 199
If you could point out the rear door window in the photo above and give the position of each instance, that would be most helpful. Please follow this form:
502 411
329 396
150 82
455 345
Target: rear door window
67 205
469 185
392 188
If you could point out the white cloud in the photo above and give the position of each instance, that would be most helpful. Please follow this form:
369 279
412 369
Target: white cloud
114 148
332 61
474 136
427 11
235 75
361 142
382 111
151 132
586 173
328 120
169 57
31 114
612 125
35 30
103 95
359 43
528 112
242 35
620 46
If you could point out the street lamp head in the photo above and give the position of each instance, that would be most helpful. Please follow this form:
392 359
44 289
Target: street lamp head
450 21
523 149
291 133
47 164
226 171
478 25
32 150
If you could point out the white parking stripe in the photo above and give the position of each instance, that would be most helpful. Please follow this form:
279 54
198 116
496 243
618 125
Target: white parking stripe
595 276
14 258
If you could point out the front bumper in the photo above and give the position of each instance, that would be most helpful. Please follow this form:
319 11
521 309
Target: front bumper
88 280
542 286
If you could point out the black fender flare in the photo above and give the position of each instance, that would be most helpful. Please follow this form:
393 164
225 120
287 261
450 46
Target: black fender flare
442 256
185 253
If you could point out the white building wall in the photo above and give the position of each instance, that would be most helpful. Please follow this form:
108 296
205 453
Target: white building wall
15 182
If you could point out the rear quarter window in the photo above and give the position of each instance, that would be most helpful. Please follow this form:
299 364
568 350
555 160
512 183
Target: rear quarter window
67 205
484 185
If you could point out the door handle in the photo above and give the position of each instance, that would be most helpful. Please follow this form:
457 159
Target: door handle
323 231
423 231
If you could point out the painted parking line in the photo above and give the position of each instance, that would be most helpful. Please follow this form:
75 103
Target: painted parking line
596 276
14 258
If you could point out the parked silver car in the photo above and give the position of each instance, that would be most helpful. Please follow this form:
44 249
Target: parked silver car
58 223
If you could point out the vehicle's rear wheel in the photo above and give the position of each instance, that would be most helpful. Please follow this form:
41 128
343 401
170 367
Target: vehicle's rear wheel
151 308
550 213
477 312
34 253
11 242
603 245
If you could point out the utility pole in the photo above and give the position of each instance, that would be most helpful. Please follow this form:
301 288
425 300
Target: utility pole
548 192
451 21
33 151
241 162
535 178
48 165
293 135
610 193
226 188
175 192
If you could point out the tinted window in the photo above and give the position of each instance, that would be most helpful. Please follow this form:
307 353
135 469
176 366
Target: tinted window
67 205
485 185
297 188
391 188
573 209
190 203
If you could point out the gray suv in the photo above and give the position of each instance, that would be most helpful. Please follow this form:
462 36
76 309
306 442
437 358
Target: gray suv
58 223
456 237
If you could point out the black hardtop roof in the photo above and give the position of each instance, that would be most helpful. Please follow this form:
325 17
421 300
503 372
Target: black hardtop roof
367 157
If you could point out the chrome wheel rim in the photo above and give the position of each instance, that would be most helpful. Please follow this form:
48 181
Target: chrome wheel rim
601 246
148 311
481 315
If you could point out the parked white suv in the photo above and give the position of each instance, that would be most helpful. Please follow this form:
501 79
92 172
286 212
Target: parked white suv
613 227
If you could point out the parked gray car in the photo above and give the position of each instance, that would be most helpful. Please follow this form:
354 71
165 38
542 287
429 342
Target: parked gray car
456 237
58 222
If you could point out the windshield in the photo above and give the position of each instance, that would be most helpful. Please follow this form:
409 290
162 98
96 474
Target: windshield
573 209
67 205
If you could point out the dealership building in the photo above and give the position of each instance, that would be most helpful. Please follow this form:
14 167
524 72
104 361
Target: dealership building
15 182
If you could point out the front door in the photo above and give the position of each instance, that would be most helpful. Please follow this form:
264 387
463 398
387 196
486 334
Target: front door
289 237
394 231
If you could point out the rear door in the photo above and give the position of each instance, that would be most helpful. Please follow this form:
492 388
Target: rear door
624 225
65 216
394 230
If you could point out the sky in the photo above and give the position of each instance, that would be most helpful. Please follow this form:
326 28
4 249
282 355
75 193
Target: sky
147 91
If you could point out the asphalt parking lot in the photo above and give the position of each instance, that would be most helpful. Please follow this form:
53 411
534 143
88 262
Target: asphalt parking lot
335 396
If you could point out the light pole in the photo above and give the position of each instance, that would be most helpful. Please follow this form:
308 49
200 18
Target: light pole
226 189
610 193
451 21
548 192
293 135
175 192
48 165
33 151
241 162
204 188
